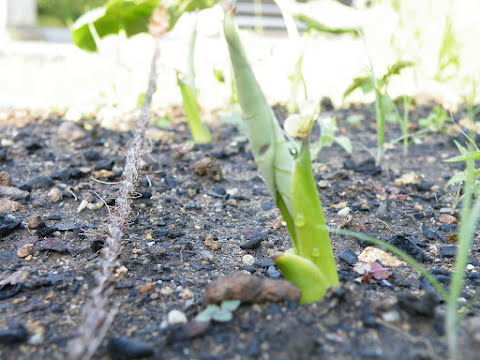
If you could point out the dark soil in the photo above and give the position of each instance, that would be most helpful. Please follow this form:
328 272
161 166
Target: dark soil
192 224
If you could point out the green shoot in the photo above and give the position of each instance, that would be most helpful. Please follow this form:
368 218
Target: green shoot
384 106
287 171
436 121
222 313
328 127
200 132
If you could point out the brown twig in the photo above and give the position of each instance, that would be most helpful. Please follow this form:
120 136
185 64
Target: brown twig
98 312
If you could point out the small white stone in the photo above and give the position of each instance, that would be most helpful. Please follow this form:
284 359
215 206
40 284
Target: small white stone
344 212
176 317
83 205
391 316
470 267
323 184
248 260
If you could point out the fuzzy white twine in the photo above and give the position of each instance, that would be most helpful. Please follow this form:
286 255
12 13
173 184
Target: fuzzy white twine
98 312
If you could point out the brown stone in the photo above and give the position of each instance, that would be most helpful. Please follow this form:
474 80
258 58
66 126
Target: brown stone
25 250
447 219
142 290
249 289
9 206
208 167
4 178
55 195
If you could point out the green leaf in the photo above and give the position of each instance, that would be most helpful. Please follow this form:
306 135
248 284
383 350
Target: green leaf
396 68
219 76
313 241
344 142
207 314
362 82
304 274
313 24
270 148
222 316
131 16
200 132
230 305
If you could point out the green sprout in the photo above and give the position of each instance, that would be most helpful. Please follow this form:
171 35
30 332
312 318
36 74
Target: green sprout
286 167
199 130
222 313
436 121
385 108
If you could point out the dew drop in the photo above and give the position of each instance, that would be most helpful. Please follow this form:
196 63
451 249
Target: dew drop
300 219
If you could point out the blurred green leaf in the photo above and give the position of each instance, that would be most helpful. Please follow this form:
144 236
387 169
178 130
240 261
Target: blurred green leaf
315 25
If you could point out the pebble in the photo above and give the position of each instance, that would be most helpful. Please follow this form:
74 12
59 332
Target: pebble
13 193
448 251
104 164
69 131
40 182
273 272
4 178
255 241
217 192
211 243
208 167
344 212
249 289
92 155
323 184
25 250
176 317
9 206
248 260
371 253
16 333
348 256
447 219
55 195
126 348
186 294
391 316
445 210
470 267
8 224
53 245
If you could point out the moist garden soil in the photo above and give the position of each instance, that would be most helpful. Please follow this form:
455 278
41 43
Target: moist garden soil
198 211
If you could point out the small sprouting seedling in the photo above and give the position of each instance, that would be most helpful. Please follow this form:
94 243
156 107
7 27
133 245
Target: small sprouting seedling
285 164
436 121
328 127
222 313
384 106
198 129
162 122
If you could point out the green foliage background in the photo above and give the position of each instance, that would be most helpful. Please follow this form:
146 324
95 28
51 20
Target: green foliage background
62 12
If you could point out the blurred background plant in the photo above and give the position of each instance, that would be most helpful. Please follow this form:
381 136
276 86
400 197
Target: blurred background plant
63 12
